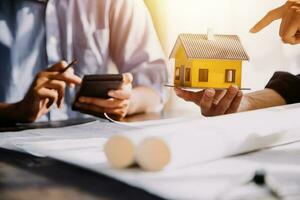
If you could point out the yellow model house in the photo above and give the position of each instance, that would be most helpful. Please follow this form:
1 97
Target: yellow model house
205 61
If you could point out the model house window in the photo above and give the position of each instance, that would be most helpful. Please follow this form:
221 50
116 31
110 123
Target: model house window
203 75
230 76
177 73
188 74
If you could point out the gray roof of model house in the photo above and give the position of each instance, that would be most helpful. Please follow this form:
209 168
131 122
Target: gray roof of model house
222 47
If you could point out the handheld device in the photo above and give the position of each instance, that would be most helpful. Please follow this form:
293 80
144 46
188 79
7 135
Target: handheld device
98 86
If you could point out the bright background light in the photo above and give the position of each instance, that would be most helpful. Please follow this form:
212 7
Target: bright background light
266 51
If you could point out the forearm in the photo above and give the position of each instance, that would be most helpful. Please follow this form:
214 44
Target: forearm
143 99
7 113
261 99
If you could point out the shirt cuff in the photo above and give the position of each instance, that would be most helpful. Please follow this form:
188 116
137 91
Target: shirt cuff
287 85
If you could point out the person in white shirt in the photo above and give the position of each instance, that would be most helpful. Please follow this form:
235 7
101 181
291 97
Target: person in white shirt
39 37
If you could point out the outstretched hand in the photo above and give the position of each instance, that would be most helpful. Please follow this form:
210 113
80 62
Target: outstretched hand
212 102
289 13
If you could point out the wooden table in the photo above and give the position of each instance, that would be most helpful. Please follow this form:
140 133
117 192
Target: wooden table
24 177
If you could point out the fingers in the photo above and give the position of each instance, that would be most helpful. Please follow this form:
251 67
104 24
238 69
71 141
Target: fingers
207 101
213 103
268 19
125 91
67 77
44 93
90 108
289 29
218 96
226 102
59 86
118 108
127 78
297 39
55 73
58 66
204 99
189 96
183 94
291 6
106 103
120 94
117 113
75 80
235 104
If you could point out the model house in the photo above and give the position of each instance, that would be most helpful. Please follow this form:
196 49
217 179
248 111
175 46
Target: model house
208 61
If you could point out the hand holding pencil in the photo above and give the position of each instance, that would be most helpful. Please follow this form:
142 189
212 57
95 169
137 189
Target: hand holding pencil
47 89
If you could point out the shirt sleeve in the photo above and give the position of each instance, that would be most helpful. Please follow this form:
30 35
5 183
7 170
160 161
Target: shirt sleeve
135 47
287 85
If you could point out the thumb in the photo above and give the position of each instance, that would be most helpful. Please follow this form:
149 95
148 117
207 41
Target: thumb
268 19
58 66
127 78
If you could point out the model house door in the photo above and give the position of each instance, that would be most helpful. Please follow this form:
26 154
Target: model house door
182 69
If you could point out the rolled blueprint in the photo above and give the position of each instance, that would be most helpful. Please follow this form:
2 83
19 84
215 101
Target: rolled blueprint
155 153
184 145
204 139
120 151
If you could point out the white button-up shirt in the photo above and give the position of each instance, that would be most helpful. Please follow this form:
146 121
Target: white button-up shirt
92 31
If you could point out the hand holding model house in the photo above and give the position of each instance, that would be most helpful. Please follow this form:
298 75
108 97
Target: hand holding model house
201 63
211 62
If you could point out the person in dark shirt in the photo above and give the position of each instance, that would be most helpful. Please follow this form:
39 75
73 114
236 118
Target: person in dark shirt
283 88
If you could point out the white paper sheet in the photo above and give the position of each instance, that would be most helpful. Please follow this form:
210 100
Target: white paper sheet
87 151
83 146
205 181
97 129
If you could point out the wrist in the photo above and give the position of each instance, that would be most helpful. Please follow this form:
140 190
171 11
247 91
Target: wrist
134 104
249 102
8 113
261 99
143 99
246 103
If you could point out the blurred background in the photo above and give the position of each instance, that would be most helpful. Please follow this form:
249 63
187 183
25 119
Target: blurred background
266 51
